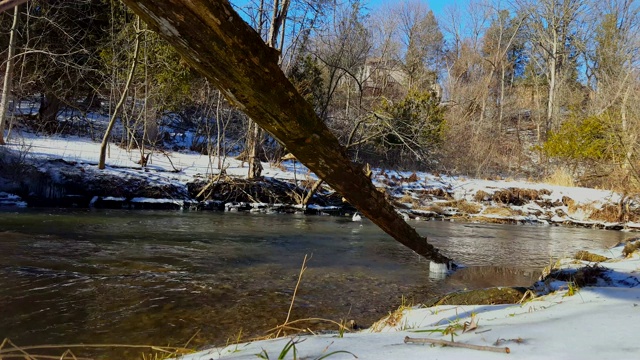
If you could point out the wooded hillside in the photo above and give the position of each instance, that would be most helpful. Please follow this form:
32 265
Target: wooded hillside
537 89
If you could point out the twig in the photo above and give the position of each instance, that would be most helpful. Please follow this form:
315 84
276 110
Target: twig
214 180
170 162
456 344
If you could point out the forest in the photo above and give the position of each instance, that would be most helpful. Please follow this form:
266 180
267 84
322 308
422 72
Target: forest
543 90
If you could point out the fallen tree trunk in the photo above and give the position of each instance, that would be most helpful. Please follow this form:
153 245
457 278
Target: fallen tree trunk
215 40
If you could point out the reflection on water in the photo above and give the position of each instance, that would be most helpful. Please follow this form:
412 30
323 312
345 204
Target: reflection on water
158 277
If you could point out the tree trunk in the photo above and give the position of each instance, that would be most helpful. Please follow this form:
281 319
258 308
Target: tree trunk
553 72
215 40
6 87
50 105
255 167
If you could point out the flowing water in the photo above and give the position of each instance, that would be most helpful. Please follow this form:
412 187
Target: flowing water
152 277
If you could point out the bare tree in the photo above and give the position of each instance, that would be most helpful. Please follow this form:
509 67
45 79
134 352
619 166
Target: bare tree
219 44
8 74
551 25
342 46
422 41
123 97
278 20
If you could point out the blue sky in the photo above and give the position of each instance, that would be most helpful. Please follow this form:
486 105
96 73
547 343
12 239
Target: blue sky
436 5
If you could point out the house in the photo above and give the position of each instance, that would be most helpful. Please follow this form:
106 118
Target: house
384 77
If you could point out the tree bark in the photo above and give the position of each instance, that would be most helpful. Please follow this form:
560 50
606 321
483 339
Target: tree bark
215 40
6 87
50 105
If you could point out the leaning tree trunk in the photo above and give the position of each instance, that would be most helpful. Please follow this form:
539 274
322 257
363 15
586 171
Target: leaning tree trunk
215 40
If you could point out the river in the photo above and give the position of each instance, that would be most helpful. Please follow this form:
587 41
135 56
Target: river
155 277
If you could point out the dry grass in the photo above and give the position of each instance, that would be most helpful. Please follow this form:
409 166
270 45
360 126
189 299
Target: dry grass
569 203
433 208
407 199
615 213
517 196
630 248
587 256
444 207
584 276
9 350
501 211
393 319
481 196
412 178
575 208
608 213
468 207
561 177
437 193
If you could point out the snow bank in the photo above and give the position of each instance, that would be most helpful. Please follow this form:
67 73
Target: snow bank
420 195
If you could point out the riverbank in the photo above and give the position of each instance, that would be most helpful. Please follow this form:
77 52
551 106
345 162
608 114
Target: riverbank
64 169
580 310
61 171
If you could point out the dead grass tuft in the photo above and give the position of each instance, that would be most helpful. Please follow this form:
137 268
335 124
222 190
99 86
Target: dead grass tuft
608 213
587 256
438 193
622 212
412 178
518 196
467 207
481 196
463 206
569 203
561 176
407 199
433 208
393 319
501 211
630 248
584 276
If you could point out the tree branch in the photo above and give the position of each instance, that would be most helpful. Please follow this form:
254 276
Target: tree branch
10 4
456 344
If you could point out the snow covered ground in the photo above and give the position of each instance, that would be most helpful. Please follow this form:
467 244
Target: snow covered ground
592 322
564 322
420 195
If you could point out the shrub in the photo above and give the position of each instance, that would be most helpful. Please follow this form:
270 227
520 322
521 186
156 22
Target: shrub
582 139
